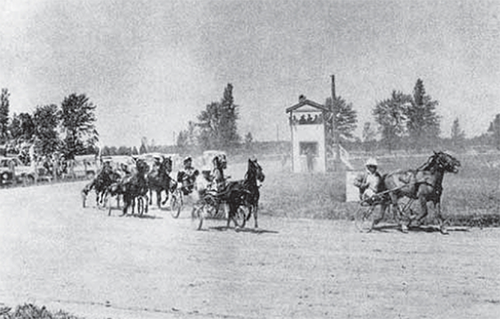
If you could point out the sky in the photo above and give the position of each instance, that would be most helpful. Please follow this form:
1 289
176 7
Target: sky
150 67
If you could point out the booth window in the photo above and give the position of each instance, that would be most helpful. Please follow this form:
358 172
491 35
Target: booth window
308 147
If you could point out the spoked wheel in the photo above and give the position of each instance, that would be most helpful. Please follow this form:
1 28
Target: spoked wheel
176 204
141 205
241 217
364 218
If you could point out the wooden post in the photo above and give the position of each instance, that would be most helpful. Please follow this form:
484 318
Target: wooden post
336 137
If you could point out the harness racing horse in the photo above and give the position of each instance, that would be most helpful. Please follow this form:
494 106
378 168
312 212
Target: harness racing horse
245 193
423 184
132 186
100 184
159 180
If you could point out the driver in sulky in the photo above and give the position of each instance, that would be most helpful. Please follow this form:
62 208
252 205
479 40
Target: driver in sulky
369 182
187 176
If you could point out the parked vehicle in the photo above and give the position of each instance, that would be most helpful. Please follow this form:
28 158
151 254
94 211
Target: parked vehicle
13 171
85 166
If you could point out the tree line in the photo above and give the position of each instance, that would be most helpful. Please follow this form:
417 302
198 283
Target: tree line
216 126
402 121
68 129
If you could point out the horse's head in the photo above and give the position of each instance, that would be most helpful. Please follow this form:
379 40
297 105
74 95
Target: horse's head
166 165
107 169
142 166
255 169
447 162
222 160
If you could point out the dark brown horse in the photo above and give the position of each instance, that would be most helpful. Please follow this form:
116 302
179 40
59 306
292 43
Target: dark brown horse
104 179
245 192
132 186
423 184
159 180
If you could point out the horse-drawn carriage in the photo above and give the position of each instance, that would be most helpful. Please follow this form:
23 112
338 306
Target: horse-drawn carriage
213 196
120 177
240 197
191 186
402 188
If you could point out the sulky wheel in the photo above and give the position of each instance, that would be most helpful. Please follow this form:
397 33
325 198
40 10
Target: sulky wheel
240 217
141 205
176 204
364 218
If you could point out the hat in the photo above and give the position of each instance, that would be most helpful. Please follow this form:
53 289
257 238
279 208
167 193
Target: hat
371 162
188 159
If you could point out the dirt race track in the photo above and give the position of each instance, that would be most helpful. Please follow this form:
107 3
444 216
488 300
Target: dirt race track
57 254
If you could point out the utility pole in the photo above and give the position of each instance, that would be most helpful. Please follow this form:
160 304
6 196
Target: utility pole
336 139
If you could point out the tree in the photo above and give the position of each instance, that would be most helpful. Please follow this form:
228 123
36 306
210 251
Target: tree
390 114
344 118
45 120
209 124
457 134
4 114
423 122
182 139
77 121
15 130
218 127
124 150
143 149
229 136
27 125
22 126
494 131
187 138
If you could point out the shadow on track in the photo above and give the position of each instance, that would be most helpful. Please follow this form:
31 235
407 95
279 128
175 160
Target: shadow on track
244 230
416 229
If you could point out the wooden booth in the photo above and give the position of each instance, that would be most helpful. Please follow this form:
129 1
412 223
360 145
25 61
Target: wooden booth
308 136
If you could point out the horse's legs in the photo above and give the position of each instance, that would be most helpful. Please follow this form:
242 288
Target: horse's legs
439 216
97 198
230 215
166 197
255 212
396 212
104 198
233 208
150 196
133 203
126 203
158 198
85 192
380 217
423 210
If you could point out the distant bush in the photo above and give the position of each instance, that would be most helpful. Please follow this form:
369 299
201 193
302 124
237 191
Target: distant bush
29 311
